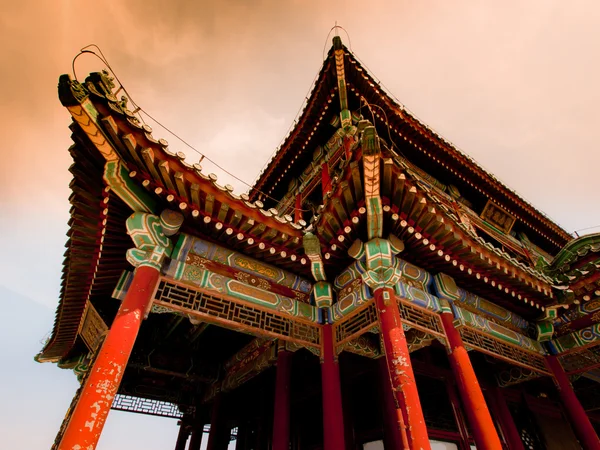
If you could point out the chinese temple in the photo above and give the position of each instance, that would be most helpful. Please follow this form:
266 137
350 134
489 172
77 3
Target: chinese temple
376 288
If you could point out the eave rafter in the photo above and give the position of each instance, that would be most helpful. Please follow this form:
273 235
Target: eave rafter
444 155
433 231
147 169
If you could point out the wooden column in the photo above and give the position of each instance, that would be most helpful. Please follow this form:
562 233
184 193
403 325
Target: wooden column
333 418
197 435
400 370
348 408
509 429
242 436
216 438
461 424
478 415
182 437
393 423
577 415
91 411
281 419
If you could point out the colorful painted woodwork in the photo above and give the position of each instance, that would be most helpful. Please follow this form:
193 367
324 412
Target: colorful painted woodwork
542 331
117 177
580 338
353 291
371 157
240 313
312 249
341 142
200 263
152 245
240 268
493 329
445 287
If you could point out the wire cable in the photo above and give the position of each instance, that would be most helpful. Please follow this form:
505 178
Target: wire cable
140 111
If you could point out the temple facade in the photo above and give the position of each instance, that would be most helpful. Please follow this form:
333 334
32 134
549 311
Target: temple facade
376 288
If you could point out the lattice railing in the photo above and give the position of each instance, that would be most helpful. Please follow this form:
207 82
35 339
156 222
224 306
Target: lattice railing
421 318
355 324
494 347
237 315
147 406
582 360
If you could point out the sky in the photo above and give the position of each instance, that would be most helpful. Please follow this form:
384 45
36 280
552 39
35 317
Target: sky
513 84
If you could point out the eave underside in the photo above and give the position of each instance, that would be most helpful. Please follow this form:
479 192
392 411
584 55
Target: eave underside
410 138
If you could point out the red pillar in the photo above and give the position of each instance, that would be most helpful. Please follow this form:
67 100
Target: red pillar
325 179
509 429
333 419
465 441
393 423
281 419
89 415
216 436
478 415
400 370
577 415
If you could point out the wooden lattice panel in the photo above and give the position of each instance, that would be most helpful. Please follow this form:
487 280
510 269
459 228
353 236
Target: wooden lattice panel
355 324
421 319
236 315
92 328
146 406
502 350
582 360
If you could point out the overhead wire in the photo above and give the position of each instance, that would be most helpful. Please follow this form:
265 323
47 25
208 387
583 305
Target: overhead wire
140 110
303 103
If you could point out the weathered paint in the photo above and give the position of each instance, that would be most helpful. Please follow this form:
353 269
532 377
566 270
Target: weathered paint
393 423
577 415
400 370
478 415
91 411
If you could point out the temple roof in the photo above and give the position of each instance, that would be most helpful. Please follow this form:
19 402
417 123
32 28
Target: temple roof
418 142
98 241
437 230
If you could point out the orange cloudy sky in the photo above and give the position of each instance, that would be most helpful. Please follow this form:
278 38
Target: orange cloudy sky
513 84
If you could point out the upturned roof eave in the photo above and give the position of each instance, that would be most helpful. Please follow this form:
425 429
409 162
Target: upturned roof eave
398 113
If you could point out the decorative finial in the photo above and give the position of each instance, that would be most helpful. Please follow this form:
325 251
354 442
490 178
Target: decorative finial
337 43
